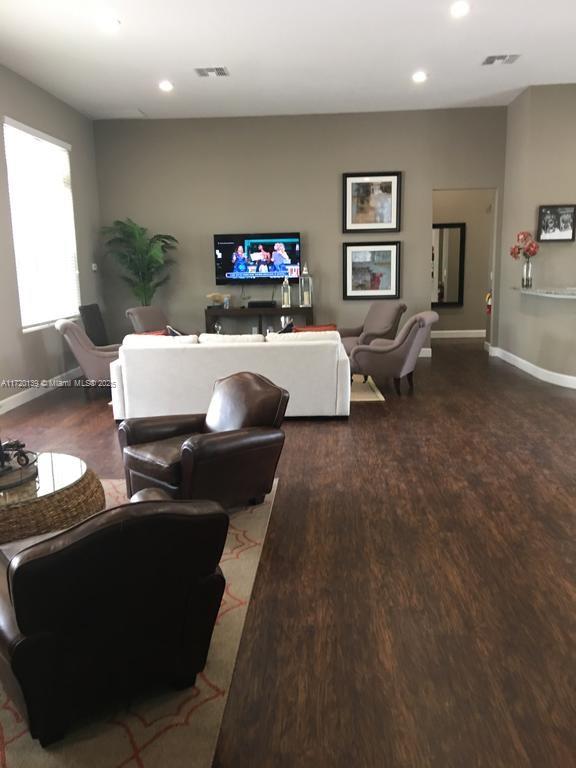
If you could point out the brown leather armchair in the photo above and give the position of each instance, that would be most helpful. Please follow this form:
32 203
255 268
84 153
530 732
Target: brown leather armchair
229 454
122 604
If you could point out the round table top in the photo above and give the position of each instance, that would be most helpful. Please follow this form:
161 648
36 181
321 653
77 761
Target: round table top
56 471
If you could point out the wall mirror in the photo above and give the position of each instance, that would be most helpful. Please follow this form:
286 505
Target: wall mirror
448 252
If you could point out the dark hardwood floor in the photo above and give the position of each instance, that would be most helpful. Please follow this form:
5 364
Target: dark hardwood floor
416 598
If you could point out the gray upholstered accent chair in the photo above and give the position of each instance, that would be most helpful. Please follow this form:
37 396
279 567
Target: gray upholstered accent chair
381 322
145 319
386 359
94 361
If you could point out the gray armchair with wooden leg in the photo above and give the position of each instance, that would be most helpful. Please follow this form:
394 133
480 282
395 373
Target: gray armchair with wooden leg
386 359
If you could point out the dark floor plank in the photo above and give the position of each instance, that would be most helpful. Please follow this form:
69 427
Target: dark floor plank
416 595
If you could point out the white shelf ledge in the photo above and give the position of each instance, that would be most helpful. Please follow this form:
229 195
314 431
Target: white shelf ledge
549 293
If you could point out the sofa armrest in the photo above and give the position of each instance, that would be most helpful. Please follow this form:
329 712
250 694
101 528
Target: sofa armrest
347 332
368 338
152 428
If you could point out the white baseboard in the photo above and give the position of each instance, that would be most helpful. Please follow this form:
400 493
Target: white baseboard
551 377
480 333
487 346
425 352
31 393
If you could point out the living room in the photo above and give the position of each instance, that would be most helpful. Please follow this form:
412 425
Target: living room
408 575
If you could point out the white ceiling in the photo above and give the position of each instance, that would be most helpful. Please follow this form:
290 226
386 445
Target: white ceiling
287 57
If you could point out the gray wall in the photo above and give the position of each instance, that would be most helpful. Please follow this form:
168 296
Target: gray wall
192 178
540 169
475 208
41 355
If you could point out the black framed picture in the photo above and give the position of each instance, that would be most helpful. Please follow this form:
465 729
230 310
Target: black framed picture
372 201
556 223
371 270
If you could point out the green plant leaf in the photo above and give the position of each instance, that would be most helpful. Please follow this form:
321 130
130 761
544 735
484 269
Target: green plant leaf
140 255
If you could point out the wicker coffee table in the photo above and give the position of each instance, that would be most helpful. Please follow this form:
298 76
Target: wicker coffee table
64 492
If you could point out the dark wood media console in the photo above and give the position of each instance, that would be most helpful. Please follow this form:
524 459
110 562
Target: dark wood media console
212 314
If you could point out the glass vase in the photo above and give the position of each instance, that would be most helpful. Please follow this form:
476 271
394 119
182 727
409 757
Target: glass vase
527 272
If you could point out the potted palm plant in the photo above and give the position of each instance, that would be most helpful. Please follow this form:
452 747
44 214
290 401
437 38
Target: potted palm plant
143 256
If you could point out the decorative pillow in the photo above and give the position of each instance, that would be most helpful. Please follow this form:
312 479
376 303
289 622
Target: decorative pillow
288 328
230 338
314 328
303 337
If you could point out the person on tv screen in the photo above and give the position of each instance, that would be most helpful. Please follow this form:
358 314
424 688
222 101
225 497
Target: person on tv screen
239 260
280 258
265 259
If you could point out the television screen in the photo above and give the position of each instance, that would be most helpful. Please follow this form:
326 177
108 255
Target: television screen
257 258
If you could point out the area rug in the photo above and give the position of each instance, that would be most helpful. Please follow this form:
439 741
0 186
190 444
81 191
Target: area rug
176 729
361 392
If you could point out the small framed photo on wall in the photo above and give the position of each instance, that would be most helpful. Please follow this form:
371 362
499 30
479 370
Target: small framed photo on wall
371 270
372 201
556 223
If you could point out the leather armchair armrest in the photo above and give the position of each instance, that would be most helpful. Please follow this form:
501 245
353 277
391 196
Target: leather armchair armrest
151 428
217 445
346 332
231 467
10 633
109 348
150 494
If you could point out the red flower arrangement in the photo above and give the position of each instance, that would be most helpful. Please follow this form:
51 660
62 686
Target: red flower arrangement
525 246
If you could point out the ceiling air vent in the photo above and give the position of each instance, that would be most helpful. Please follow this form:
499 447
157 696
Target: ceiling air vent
503 58
212 72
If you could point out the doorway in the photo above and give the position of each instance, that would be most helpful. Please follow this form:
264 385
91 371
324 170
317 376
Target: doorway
463 241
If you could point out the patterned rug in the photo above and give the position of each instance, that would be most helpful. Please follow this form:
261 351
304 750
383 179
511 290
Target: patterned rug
361 392
175 730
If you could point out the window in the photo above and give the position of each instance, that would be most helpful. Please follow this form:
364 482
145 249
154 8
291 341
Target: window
42 225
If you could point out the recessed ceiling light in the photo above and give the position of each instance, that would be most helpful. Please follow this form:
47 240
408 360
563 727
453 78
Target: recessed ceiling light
166 86
460 9
108 22
420 76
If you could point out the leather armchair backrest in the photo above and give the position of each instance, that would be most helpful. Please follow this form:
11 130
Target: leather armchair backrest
145 319
125 571
245 400
383 317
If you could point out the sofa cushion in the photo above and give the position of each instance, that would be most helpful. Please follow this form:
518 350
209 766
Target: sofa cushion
276 338
160 459
230 338
145 340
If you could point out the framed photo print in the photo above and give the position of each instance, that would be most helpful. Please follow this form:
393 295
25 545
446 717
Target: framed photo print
372 201
371 270
556 223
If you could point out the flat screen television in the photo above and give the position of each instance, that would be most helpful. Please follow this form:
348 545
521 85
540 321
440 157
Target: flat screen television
254 258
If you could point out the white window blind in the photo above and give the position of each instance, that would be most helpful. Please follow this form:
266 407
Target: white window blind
42 214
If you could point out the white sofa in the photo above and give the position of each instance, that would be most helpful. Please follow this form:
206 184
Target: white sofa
162 375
